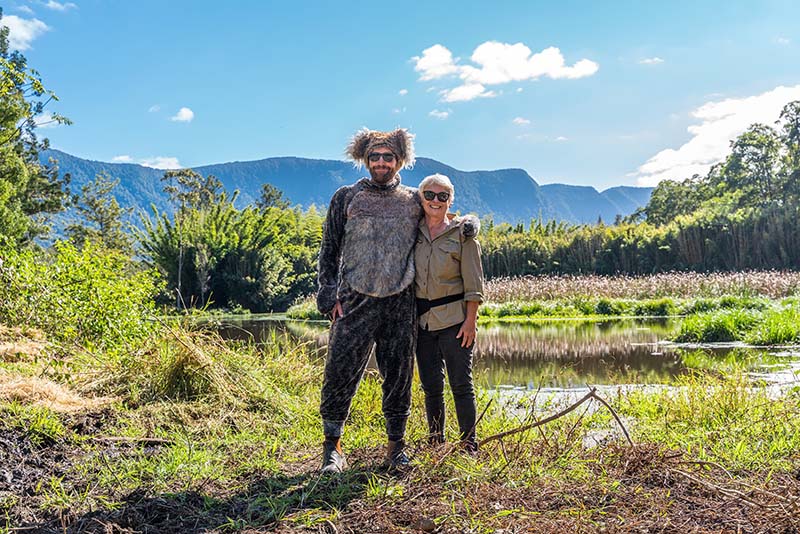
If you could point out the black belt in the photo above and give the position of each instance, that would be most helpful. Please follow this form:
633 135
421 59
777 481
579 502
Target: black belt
424 305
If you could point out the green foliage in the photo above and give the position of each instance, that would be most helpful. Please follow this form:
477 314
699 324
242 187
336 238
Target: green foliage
271 197
721 420
28 190
92 296
42 425
778 327
219 255
188 189
724 325
305 310
756 324
102 217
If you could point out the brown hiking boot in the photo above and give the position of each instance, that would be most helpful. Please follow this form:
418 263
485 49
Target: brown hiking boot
333 460
396 457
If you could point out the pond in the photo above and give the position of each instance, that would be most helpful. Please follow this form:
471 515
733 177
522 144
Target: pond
569 354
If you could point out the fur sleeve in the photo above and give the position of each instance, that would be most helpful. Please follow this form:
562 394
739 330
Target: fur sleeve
330 251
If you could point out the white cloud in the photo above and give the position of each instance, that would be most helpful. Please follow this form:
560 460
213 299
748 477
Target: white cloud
441 115
161 162
25 9
399 110
156 162
154 108
435 62
21 32
464 93
183 115
57 6
651 61
402 92
561 138
519 89
45 120
520 121
496 63
783 41
720 122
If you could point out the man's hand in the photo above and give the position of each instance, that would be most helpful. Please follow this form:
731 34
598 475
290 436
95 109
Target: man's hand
336 311
467 333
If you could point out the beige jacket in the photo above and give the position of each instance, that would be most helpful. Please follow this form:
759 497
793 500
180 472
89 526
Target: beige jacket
447 265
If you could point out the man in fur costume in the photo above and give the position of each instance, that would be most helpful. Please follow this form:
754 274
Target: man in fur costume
366 275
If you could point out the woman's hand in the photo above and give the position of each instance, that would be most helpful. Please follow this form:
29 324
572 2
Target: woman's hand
467 333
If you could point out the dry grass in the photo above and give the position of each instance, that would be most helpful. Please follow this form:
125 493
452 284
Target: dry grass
45 393
20 344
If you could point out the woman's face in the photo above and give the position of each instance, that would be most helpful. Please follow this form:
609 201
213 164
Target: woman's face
435 208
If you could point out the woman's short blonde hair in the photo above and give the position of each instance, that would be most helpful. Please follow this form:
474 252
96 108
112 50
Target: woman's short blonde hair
437 179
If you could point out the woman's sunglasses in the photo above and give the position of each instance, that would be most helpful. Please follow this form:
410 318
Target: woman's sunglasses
443 196
388 157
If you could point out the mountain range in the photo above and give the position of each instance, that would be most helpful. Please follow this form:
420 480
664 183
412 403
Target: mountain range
508 195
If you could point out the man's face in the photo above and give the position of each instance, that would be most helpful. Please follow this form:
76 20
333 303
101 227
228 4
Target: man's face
382 164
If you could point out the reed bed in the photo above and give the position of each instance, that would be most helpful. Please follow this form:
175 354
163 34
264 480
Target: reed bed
771 284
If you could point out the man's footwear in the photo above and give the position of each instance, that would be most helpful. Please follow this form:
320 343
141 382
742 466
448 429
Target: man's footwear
396 457
333 460
470 445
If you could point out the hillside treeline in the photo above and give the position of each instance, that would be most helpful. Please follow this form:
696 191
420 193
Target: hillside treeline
743 214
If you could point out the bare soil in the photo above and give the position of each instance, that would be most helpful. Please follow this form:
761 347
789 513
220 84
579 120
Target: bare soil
658 491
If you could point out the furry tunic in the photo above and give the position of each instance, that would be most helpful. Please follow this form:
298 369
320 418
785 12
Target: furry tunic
368 241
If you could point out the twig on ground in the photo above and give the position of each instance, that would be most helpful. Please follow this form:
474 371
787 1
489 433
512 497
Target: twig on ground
591 395
150 441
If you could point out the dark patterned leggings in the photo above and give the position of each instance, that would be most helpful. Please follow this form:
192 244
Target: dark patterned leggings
390 324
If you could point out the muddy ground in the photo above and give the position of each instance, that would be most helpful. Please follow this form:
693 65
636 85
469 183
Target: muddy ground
658 491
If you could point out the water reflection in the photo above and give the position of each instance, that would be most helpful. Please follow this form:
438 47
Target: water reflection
567 354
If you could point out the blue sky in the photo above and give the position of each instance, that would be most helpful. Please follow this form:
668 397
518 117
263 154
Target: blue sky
588 93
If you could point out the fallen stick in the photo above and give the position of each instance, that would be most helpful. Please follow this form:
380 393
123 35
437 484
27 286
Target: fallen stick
591 395
541 422
151 441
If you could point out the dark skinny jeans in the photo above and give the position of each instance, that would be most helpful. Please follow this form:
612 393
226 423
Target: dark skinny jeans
437 349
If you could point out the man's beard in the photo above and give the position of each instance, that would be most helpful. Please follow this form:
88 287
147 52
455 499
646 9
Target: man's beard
382 177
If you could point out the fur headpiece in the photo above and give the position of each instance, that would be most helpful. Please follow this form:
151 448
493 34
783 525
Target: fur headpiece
399 141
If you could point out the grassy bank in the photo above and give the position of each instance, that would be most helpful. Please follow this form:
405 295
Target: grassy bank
776 324
585 307
186 432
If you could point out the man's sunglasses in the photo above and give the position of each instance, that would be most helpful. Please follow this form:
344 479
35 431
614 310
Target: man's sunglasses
388 157
443 196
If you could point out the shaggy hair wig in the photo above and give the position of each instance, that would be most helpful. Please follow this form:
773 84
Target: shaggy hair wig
399 141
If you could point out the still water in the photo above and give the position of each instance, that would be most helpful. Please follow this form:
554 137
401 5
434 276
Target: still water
567 354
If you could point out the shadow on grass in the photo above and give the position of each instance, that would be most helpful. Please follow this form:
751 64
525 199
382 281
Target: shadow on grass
309 498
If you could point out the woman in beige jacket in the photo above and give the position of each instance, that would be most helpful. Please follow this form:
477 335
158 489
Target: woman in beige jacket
449 289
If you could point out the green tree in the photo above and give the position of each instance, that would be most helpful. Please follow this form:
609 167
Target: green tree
753 164
29 191
271 197
790 136
188 189
101 216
